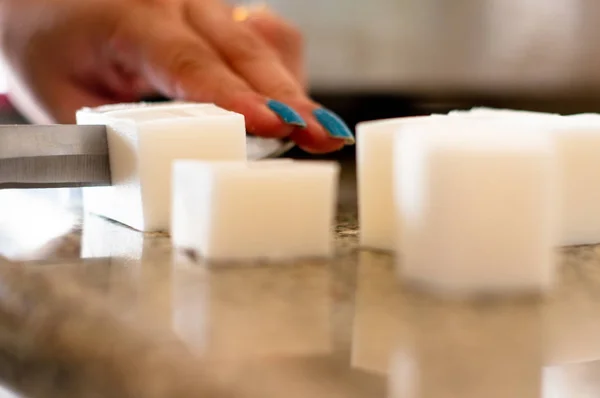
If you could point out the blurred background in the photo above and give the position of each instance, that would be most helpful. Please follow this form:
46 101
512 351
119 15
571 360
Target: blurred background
441 47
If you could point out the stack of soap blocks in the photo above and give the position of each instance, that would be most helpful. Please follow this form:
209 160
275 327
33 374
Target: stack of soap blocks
478 201
183 168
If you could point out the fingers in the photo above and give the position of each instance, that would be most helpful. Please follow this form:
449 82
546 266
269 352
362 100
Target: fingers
245 52
285 39
182 65
258 64
287 42
63 97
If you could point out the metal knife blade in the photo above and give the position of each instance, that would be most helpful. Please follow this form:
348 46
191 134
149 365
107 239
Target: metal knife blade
54 156
67 156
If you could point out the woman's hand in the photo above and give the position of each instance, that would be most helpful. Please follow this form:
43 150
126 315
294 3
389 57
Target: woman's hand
67 54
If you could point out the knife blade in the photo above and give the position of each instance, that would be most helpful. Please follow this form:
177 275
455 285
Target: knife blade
53 156
72 156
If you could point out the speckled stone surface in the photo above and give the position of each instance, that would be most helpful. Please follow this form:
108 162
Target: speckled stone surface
90 308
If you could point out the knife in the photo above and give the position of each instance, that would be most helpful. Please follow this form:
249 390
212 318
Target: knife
69 156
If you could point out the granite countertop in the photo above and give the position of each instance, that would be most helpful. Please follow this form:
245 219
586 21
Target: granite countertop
90 308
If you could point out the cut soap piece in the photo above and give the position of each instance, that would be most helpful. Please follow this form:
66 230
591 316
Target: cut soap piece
375 154
477 206
578 143
183 204
484 111
255 210
143 141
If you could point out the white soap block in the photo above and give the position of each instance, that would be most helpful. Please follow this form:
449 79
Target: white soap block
255 210
256 147
143 141
578 143
480 112
375 154
477 206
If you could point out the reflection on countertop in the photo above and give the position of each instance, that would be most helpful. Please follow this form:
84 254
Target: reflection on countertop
101 310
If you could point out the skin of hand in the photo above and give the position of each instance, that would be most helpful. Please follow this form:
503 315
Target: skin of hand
68 54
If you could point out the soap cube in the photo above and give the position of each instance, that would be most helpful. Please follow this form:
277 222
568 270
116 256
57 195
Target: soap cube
255 210
375 154
143 141
578 143
477 206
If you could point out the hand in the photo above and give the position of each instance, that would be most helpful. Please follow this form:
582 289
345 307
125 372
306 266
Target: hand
68 54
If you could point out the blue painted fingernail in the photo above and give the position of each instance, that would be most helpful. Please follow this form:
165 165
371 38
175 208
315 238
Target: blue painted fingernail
334 125
287 114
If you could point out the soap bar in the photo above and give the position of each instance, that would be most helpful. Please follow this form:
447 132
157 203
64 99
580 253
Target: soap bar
257 147
374 155
489 112
477 206
578 143
143 141
228 211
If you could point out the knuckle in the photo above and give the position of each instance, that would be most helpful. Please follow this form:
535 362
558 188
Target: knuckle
283 89
250 52
283 31
183 60
186 70
244 46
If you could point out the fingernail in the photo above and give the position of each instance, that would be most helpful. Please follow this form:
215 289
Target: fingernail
287 114
334 125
